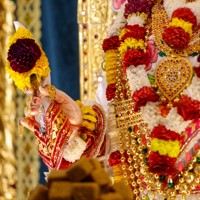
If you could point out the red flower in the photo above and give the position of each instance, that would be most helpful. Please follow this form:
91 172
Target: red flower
23 55
162 133
135 31
115 158
162 165
134 6
197 71
185 14
176 38
142 96
188 108
110 92
111 43
134 57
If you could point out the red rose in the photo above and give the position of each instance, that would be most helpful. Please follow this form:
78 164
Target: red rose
142 96
23 55
176 38
162 165
197 71
110 92
135 31
134 57
188 108
162 133
185 14
111 43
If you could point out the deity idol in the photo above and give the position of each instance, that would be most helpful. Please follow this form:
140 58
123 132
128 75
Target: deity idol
153 83
153 93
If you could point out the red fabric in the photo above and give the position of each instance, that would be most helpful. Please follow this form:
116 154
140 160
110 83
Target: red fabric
58 131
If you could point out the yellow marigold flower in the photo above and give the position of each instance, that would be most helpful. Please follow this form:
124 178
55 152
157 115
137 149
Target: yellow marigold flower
123 32
21 33
187 26
110 66
170 148
89 125
111 53
88 110
79 103
111 79
131 43
40 70
90 118
111 73
144 16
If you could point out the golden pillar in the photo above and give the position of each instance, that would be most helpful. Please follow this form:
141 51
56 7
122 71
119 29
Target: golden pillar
7 110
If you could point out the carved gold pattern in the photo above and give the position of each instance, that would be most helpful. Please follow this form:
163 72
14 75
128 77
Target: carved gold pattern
94 17
28 13
159 21
173 75
7 109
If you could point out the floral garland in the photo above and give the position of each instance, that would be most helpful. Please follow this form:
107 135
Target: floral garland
139 58
157 115
25 59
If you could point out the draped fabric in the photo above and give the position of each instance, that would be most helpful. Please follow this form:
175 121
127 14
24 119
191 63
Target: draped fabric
60 43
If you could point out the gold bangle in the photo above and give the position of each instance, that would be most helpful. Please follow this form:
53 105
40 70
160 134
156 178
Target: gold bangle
51 91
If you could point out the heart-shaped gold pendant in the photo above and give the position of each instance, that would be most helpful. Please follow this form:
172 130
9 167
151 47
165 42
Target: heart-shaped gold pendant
172 76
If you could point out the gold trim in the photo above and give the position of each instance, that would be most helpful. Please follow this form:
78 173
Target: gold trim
28 160
94 17
7 109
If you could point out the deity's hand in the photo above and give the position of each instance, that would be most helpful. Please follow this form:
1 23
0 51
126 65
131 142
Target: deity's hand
44 96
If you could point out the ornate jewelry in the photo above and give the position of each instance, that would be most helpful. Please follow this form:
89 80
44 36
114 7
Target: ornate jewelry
172 76
159 21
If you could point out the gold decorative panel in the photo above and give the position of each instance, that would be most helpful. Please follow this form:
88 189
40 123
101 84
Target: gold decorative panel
94 17
28 164
7 109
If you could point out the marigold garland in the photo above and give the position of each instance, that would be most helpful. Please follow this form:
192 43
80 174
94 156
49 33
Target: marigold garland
170 148
88 115
187 26
185 14
131 43
41 68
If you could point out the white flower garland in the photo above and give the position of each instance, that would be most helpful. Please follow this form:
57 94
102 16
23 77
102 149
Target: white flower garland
137 77
174 121
118 24
171 5
135 19
150 113
74 149
193 91
152 116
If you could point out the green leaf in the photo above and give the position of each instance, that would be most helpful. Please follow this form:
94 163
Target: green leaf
151 78
194 54
162 54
